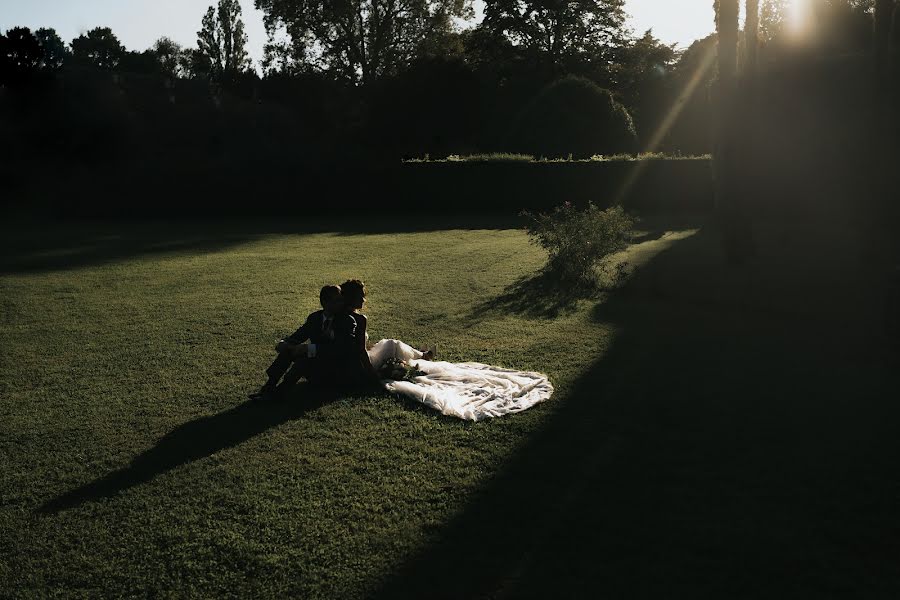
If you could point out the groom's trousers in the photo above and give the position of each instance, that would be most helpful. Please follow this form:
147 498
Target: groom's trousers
294 369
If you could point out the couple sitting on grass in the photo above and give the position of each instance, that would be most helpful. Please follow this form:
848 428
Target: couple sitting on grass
330 350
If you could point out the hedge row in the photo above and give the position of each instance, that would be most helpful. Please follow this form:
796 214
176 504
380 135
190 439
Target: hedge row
667 185
197 187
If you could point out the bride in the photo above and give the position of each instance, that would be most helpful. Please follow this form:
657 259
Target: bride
471 391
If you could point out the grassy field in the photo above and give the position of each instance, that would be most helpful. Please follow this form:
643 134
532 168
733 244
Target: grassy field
716 432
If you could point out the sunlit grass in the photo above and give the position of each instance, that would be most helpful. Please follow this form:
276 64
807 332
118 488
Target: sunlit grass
147 356
704 417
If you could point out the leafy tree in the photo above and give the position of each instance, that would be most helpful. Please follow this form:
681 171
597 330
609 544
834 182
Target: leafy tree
195 64
574 116
772 18
20 55
559 29
641 66
170 56
55 51
360 41
99 47
222 41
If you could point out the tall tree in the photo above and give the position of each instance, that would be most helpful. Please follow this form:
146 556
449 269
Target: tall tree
737 236
55 51
559 28
99 47
884 14
360 40
222 41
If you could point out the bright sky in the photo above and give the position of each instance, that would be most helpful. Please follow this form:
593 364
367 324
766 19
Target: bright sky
139 23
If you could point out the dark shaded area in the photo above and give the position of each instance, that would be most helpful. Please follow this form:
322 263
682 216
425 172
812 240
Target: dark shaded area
196 440
737 440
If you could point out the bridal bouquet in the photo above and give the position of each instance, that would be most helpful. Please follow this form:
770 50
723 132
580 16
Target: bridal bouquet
398 370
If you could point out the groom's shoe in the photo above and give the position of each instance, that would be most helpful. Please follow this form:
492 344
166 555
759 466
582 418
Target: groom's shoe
264 393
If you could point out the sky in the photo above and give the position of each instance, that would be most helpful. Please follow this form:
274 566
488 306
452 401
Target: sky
139 23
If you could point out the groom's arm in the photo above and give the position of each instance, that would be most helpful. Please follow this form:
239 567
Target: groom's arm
302 334
290 343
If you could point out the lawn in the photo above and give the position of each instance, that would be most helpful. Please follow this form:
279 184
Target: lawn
715 432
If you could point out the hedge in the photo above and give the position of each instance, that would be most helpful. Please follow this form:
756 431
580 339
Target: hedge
208 187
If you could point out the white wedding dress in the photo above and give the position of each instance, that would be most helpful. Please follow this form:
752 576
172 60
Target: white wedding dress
471 391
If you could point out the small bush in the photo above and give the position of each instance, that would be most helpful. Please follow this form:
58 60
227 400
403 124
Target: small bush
579 241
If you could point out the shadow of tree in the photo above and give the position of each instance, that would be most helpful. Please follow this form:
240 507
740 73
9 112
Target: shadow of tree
714 451
540 296
196 440
544 296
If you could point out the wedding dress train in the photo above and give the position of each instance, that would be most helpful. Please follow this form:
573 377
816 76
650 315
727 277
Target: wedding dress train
471 391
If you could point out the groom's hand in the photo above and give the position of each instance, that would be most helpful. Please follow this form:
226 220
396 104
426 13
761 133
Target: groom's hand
283 346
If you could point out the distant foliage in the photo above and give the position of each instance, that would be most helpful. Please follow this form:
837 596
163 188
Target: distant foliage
54 49
20 55
574 117
576 29
99 47
578 241
222 42
360 42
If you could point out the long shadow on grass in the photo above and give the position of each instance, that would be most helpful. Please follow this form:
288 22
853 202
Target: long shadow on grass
714 451
196 440
30 247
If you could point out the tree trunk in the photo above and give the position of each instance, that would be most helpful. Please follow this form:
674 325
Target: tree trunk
751 35
729 196
884 13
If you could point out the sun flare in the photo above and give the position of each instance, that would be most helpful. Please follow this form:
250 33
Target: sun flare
799 16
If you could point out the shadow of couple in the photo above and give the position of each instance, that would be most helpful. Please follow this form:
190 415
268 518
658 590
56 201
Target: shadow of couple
198 439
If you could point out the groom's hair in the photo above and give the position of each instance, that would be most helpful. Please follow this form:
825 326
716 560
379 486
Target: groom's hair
329 293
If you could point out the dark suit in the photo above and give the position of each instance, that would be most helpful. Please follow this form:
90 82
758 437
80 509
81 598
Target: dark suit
335 346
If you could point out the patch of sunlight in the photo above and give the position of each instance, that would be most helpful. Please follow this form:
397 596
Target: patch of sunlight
638 255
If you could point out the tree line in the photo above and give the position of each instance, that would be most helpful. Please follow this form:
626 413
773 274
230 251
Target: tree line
403 78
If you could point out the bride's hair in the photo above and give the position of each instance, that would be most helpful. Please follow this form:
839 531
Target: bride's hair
354 293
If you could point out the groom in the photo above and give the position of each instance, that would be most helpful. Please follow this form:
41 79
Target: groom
318 351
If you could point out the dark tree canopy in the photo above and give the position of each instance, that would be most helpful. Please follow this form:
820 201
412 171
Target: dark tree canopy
574 116
54 49
360 41
559 29
144 63
170 56
222 41
20 55
99 47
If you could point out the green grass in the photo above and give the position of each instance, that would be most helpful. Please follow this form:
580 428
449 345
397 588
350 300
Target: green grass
715 432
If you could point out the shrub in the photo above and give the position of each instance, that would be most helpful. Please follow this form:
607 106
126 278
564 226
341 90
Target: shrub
574 117
577 241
